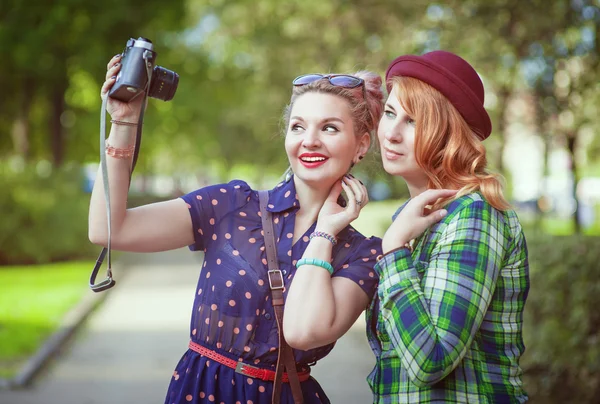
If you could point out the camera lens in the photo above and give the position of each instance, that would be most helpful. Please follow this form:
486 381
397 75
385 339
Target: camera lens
164 84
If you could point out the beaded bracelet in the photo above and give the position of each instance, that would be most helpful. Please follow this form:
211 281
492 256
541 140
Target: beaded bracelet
316 262
119 153
324 235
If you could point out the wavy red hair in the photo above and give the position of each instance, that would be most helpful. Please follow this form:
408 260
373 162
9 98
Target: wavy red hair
446 148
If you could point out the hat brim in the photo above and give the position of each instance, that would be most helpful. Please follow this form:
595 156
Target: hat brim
447 83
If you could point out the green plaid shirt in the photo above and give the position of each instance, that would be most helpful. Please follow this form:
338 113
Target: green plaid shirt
446 326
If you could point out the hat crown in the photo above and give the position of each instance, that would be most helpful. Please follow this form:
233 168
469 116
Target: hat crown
459 68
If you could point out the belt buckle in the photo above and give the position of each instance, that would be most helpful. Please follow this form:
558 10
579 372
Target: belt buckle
242 368
239 368
279 281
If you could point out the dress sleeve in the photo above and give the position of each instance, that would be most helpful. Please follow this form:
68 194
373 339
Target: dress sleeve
209 205
359 265
432 321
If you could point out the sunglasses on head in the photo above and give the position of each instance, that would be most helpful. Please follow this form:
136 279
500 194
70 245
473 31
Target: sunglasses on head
338 80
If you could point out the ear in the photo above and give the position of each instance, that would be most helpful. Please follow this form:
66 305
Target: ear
363 146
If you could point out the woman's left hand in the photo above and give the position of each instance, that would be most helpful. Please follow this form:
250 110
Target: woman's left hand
415 218
333 218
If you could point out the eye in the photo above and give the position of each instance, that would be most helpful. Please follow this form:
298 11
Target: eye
411 121
330 128
389 113
295 127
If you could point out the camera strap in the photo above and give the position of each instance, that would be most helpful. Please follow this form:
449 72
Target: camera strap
109 282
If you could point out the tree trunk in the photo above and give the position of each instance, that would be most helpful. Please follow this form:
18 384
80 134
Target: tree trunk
571 141
20 129
541 117
57 141
503 97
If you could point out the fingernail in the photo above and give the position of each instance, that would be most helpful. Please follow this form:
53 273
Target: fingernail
443 212
361 183
113 77
116 64
350 175
118 55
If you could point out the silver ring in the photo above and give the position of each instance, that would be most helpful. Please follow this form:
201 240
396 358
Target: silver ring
359 202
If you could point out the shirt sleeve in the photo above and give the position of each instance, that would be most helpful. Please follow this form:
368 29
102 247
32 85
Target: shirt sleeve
432 322
359 267
209 205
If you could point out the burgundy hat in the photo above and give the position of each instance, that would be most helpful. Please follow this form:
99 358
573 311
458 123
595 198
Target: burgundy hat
452 76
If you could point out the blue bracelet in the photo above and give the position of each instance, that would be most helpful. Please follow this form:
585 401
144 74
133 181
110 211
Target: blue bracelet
315 262
324 235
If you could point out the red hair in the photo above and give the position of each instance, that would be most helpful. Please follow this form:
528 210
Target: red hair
446 148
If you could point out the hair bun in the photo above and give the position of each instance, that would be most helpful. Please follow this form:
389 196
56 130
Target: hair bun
375 96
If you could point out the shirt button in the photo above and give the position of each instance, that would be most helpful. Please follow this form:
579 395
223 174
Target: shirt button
268 316
284 272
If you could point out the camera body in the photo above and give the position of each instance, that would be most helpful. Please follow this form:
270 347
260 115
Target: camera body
138 65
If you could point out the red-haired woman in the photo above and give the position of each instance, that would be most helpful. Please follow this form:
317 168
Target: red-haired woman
447 322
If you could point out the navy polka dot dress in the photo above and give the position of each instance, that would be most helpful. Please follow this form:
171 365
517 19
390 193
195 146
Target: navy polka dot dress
232 313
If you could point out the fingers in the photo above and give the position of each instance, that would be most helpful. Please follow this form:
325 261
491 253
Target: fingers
113 70
430 196
359 190
107 86
113 61
335 192
435 216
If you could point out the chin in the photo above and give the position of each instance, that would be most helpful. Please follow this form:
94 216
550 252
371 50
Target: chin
317 178
392 169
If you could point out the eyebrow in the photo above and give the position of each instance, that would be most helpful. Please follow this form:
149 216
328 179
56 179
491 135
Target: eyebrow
330 119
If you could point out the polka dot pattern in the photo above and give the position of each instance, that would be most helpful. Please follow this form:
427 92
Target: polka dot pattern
232 312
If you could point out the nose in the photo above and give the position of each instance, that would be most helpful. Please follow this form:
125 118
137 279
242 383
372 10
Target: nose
311 139
393 133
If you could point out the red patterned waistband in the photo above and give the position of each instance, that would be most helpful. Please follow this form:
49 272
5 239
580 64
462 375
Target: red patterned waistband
244 368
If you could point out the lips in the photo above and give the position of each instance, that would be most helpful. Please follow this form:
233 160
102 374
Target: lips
391 154
312 160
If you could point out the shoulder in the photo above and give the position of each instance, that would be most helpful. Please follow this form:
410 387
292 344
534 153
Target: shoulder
220 196
359 242
233 187
472 213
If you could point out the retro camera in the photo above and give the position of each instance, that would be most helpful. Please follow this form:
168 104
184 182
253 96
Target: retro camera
138 66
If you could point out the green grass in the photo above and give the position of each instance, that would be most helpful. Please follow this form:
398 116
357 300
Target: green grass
33 300
376 217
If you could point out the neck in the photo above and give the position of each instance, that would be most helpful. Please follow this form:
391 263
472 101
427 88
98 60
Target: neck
415 188
311 198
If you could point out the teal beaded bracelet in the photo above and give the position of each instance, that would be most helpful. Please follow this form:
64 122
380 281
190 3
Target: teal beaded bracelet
315 262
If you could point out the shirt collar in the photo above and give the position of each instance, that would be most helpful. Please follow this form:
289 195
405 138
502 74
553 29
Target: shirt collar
400 210
283 197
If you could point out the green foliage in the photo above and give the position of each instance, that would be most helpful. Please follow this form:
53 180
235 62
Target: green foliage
44 214
562 320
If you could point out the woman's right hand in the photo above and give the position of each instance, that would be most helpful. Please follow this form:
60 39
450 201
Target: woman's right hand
119 110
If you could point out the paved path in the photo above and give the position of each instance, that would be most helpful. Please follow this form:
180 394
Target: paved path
128 348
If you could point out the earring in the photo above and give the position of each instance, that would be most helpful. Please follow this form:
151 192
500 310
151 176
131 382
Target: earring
288 176
360 157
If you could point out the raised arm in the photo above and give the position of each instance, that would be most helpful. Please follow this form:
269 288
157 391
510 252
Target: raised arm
155 227
432 322
319 308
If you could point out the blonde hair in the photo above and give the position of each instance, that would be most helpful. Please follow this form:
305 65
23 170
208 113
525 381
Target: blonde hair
446 148
365 112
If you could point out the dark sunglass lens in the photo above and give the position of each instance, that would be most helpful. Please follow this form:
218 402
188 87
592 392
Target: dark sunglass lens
345 81
306 79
